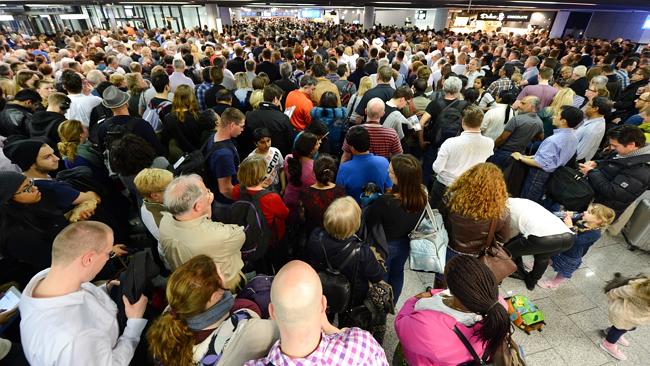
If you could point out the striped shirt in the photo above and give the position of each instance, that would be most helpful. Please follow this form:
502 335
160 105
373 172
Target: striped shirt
623 77
200 94
383 141
503 84
351 346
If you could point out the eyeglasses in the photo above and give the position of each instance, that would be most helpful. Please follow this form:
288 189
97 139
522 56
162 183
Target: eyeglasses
28 188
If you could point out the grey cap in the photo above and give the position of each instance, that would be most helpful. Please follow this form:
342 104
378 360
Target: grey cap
114 97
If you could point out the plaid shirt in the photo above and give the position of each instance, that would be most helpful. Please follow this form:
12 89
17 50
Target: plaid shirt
623 77
503 84
200 94
352 346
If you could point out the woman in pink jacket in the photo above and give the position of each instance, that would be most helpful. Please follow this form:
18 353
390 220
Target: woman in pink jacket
425 325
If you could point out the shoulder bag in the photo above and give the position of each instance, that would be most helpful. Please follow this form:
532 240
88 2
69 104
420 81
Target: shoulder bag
496 257
429 241
508 354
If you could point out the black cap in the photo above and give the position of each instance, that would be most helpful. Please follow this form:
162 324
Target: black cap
23 152
9 184
28 94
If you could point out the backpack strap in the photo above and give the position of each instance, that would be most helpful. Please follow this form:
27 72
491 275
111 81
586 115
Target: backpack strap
469 347
225 332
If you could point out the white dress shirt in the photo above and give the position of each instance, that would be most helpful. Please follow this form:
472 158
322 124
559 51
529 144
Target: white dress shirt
589 136
458 154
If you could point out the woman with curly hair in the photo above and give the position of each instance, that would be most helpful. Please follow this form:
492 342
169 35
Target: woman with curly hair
198 327
478 197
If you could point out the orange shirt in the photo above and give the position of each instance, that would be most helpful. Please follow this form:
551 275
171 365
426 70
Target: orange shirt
301 116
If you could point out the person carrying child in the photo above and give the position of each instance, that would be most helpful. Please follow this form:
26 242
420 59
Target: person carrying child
588 228
629 307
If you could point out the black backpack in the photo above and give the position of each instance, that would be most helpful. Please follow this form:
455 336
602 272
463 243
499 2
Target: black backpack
247 212
114 132
196 161
447 123
337 288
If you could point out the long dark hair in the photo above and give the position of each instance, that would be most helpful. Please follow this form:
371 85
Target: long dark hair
474 285
302 149
408 171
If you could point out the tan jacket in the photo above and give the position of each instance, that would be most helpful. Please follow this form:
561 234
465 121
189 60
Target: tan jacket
182 240
323 86
626 308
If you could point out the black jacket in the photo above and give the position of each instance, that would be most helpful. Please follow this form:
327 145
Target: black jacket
268 116
287 86
236 65
189 134
46 124
614 86
15 120
371 67
618 182
580 86
368 268
271 69
625 106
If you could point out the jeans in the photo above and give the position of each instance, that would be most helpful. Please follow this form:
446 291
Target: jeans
535 184
614 334
429 156
398 253
543 248
501 158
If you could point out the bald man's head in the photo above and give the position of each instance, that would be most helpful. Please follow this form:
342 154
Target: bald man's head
375 108
297 296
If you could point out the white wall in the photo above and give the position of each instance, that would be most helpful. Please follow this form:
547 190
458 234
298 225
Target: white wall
393 17
612 25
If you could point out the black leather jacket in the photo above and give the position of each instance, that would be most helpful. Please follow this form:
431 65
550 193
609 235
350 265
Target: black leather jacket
15 120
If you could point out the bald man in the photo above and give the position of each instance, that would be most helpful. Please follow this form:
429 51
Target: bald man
306 336
383 141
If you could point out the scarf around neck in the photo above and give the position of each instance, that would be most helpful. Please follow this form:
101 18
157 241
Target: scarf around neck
213 314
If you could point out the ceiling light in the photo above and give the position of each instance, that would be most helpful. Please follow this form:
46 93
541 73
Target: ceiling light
550 2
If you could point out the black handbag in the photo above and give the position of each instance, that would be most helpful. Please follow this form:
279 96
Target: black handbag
336 286
570 188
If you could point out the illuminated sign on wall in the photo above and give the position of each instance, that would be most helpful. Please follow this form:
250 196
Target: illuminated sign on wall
504 17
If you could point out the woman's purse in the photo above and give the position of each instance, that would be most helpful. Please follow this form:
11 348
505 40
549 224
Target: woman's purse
428 243
496 257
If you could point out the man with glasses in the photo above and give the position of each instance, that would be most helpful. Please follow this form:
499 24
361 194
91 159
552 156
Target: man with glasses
79 316
624 105
640 104
591 131
186 230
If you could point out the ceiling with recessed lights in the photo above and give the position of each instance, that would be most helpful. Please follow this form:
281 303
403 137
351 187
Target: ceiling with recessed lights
589 5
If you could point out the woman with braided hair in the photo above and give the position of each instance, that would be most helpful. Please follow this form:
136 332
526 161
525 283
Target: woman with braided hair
426 323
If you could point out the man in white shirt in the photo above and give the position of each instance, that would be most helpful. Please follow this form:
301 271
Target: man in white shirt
66 320
592 130
460 66
178 77
81 105
458 154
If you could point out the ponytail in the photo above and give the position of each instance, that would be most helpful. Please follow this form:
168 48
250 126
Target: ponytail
68 149
303 148
171 341
474 286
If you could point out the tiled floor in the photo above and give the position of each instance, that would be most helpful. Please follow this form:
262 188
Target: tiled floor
575 313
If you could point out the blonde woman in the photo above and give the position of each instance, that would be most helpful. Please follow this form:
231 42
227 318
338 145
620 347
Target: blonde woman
76 150
136 86
243 89
364 85
563 97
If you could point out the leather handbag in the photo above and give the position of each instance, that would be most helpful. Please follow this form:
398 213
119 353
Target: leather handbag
496 257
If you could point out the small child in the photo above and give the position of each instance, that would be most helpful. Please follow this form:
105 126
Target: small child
588 231
629 307
273 158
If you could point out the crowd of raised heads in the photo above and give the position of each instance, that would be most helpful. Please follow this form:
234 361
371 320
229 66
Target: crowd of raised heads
252 196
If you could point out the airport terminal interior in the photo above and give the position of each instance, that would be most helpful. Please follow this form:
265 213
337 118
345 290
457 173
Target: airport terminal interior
330 182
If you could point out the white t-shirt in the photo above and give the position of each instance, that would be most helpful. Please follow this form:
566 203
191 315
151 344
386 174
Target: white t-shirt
533 219
81 106
458 154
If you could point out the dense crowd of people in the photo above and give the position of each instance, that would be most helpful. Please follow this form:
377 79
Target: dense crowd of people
281 152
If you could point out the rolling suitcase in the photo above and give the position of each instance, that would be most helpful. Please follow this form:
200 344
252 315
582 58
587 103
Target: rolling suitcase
637 230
